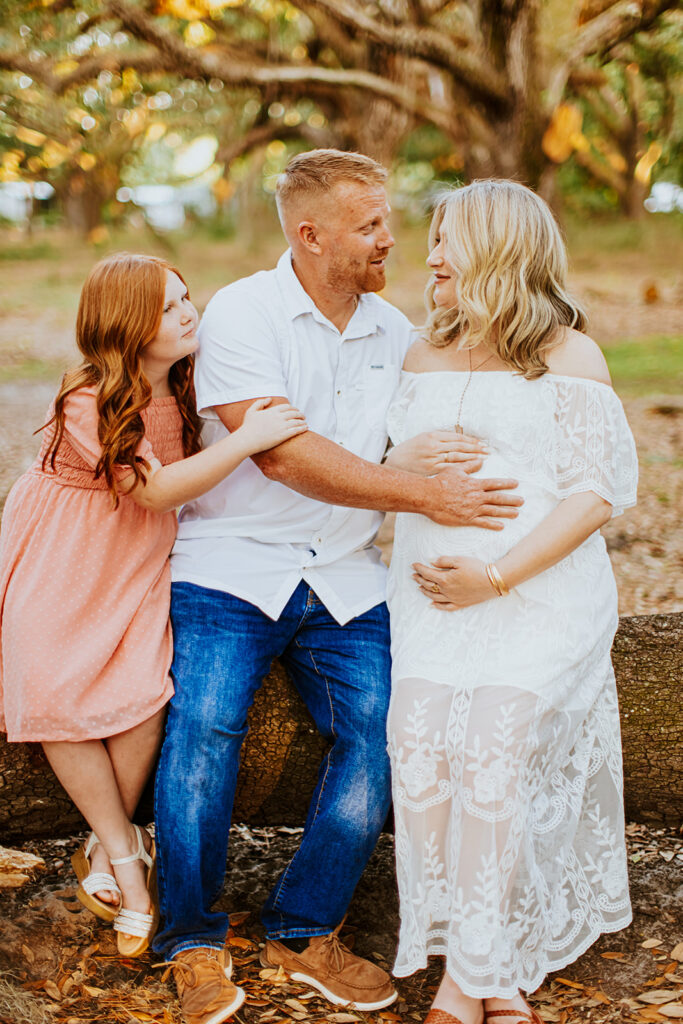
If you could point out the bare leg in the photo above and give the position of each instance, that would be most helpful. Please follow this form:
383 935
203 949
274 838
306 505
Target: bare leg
132 755
95 780
453 1000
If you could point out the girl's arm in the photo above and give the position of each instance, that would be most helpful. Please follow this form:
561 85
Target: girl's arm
167 487
463 581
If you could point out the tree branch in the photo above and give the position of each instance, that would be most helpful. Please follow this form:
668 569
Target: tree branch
262 134
205 64
426 43
606 108
619 22
601 171
88 68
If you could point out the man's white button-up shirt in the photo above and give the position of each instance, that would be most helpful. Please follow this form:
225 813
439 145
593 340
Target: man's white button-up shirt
256 538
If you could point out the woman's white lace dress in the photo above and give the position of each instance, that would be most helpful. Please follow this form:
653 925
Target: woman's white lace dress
504 727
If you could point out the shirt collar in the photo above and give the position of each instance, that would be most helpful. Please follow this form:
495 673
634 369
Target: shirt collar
367 318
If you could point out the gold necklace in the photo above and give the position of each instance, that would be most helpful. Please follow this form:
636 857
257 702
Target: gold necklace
458 429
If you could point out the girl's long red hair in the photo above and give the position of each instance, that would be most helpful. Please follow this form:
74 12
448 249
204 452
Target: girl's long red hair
118 314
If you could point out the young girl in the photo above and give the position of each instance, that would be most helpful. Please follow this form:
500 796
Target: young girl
84 573
503 726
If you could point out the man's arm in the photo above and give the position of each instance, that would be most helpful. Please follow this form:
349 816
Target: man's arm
317 467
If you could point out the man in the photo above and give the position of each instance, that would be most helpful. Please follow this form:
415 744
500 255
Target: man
278 561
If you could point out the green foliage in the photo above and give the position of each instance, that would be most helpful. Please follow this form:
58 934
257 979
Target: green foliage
36 251
582 195
646 366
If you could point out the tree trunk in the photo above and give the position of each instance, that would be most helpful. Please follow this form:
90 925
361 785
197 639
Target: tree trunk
283 750
648 661
82 204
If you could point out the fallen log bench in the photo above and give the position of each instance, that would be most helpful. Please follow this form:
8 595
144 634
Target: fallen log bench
283 749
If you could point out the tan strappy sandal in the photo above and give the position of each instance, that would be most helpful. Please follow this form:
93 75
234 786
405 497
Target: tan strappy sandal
134 928
522 1016
91 882
441 1017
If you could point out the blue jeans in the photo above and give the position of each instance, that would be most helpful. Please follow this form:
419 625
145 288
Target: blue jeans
223 649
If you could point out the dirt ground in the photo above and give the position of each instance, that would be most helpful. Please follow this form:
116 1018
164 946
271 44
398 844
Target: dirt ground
59 962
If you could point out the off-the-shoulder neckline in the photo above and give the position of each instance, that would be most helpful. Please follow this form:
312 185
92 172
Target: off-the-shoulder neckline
511 373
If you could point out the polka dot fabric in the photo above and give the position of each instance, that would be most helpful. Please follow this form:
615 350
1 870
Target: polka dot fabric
85 636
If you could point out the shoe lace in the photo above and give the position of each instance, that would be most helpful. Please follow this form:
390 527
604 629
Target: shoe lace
192 973
171 965
334 949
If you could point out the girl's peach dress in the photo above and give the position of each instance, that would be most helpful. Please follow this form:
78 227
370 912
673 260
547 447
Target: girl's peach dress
85 589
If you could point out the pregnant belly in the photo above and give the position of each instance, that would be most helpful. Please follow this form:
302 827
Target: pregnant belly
421 539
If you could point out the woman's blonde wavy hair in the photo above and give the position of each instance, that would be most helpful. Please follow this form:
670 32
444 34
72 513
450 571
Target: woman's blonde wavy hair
119 312
510 268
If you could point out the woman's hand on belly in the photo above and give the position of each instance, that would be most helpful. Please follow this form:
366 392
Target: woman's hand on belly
454 582
435 450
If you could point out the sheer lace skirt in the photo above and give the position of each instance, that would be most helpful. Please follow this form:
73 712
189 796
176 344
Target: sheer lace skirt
509 830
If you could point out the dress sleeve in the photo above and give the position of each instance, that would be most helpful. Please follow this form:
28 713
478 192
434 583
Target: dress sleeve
397 412
239 352
80 430
594 448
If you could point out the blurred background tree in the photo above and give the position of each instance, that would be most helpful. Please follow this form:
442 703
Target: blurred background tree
94 96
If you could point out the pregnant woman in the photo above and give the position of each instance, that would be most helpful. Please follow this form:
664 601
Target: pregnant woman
504 727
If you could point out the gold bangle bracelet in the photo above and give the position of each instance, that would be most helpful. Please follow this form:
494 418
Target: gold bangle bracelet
493 581
502 586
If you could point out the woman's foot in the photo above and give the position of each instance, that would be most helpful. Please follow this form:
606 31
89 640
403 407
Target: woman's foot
132 877
523 1015
100 864
451 999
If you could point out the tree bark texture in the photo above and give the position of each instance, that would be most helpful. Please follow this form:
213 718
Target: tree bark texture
648 661
282 752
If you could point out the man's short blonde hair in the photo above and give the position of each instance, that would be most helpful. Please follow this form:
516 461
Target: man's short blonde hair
318 171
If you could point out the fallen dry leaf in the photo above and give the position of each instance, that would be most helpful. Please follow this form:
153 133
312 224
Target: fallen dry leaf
341 1018
571 984
674 1011
597 996
677 952
239 918
614 956
51 990
92 990
658 995
651 943
296 1005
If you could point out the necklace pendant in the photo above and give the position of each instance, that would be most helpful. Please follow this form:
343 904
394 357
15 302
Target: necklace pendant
458 429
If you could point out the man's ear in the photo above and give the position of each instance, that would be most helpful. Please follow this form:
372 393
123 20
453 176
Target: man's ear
308 233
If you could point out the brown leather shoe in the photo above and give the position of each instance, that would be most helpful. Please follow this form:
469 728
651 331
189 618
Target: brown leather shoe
331 968
202 978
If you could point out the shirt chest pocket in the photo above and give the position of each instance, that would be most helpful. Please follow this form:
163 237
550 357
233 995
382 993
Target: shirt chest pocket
378 383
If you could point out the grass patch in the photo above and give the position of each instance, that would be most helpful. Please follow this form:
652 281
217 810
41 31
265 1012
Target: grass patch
30 251
647 365
31 370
